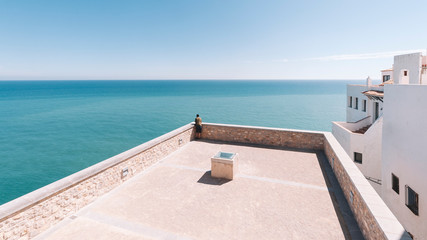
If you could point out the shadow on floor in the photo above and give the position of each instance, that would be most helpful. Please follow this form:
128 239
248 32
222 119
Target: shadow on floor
207 179
346 218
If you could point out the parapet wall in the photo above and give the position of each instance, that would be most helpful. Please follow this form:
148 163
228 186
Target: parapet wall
372 215
374 218
277 137
27 216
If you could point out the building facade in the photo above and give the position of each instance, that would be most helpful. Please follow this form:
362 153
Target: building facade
384 134
361 135
404 162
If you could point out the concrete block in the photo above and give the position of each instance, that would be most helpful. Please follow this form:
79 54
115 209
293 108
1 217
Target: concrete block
224 165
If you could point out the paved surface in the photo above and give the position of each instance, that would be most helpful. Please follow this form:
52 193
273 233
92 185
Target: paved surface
278 194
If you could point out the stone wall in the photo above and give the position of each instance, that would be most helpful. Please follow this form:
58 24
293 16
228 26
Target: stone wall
374 218
365 219
264 136
27 216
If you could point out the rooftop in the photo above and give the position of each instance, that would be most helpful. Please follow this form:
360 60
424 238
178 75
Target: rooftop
277 194
288 186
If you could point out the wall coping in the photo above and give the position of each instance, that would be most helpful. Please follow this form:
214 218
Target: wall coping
353 126
38 195
338 124
264 128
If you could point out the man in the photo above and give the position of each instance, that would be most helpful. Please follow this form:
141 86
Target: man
198 122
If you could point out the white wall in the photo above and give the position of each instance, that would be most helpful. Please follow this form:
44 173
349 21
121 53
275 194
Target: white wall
411 63
351 142
404 152
368 144
372 146
355 91
354 115
424 73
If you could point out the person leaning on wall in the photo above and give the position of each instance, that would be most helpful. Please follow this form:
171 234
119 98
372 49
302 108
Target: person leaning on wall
199 127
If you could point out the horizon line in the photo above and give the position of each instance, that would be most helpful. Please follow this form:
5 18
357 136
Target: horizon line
182 79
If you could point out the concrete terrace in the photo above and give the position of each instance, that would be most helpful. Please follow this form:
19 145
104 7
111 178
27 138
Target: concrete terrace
279 193
292 184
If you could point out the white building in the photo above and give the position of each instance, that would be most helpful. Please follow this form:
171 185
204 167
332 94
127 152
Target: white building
361 135
385 133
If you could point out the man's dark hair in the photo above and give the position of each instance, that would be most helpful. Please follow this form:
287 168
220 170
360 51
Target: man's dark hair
197 115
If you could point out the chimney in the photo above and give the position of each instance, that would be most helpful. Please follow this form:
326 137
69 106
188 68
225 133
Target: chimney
368 82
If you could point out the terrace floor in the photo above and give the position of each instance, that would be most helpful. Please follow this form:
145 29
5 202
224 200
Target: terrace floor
277 194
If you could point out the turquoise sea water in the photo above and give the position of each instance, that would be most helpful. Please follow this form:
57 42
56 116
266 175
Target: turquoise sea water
50 129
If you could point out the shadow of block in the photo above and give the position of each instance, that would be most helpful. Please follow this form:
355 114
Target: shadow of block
208 179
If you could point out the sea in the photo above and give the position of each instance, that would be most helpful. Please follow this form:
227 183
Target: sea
51 129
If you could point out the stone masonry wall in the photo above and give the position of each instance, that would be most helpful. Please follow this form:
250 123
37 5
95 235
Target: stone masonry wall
31 220
374 218
264 136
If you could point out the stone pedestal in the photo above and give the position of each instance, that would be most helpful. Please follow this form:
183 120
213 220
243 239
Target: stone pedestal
224 165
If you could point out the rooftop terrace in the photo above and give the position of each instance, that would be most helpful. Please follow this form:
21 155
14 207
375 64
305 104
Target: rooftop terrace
291 184
277 194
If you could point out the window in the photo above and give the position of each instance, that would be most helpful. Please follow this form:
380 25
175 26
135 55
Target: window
364 106
357 157
386 78
377 110
395 183
405 73
350 102
356 103
411 200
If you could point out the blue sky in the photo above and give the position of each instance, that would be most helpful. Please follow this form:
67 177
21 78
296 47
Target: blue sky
217 39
